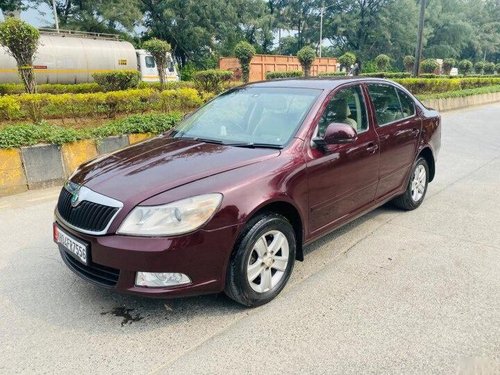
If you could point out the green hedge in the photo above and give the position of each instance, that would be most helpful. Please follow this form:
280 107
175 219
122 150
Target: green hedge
283 74
29 134
439 85
47 106
117 80
462 93
332 74
211 80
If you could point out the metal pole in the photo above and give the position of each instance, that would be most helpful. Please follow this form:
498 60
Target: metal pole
418 51
321 29
55 15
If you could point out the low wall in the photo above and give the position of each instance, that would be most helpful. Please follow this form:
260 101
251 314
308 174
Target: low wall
40 166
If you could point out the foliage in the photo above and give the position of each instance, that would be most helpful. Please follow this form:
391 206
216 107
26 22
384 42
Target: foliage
117 79
429 65
478 67
409 63
439 85
390 75
20 135
159 49
284 74
382 62
108 104
347 59
21 41
244 52
306 57
462 93
187 71
497 68
465 66
489 68
331 74
448 64
211 80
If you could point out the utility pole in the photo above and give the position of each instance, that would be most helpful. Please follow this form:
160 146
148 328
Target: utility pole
418 50
54 9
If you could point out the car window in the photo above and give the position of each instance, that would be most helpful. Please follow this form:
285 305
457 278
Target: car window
150 61
268 115
386 103
407 104
347 107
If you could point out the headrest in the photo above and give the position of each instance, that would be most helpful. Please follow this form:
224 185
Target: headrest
342 110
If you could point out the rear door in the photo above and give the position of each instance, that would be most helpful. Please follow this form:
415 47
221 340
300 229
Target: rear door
398 128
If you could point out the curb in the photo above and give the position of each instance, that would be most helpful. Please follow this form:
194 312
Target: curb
44 165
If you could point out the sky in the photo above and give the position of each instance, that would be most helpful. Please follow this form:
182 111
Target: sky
40 16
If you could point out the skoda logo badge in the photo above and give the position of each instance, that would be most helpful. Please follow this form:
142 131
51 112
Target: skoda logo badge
74 198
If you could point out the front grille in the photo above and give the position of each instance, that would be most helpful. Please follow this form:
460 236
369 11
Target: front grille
89 216
105 276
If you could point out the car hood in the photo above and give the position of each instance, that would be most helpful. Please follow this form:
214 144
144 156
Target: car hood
144 170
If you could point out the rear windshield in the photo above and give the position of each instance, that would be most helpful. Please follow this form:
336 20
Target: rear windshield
251 115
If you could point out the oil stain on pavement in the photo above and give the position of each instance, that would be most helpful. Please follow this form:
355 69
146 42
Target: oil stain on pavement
126 314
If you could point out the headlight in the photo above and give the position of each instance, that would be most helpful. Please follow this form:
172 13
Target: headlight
171 219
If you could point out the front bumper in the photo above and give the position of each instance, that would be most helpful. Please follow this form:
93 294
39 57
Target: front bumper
114 260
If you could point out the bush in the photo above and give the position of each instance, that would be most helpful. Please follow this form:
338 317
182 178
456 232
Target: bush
382 61
347 59
478 67
211 80
389 75
439 85
51 88
176 100
117 80
149 123
448 64
331 74
172 85
497 68
409 63
489 68
429 65
244 51
306 57
284 74
462 93
465 67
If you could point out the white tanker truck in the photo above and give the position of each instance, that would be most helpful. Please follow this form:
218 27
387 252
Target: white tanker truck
71 57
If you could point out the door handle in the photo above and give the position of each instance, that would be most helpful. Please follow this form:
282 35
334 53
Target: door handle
372 148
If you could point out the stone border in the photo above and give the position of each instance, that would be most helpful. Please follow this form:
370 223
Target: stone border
40 166
43 165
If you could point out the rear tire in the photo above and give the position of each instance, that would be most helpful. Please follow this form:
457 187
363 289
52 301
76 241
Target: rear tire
417 187
262 260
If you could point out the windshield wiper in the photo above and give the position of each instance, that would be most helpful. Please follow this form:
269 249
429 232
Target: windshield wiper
255 145
201 139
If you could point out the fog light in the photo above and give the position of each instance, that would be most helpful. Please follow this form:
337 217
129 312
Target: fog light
161 279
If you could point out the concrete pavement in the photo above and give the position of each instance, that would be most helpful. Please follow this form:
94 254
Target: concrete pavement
393 292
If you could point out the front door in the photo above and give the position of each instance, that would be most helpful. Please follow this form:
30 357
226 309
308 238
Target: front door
343 179
398 128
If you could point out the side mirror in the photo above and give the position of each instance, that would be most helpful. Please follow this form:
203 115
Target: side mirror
336 133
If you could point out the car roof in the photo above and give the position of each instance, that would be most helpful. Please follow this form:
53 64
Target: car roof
315 82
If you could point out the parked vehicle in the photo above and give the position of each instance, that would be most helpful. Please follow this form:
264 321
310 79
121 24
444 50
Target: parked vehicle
227 200
72 57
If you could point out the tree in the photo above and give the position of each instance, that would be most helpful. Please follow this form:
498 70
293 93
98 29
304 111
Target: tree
158 49
489 68
409 63
347 59
429 65
448 64
382 61
478 67
465 66
306 58
21 41
244 51
497 68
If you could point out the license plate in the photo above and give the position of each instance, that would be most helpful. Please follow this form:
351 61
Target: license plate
77 249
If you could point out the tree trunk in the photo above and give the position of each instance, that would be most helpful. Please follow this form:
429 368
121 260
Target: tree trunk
161 74
28 77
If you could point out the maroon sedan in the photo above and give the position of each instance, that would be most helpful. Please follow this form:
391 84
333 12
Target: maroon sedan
227 200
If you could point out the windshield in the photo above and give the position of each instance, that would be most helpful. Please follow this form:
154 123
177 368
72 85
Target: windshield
250 116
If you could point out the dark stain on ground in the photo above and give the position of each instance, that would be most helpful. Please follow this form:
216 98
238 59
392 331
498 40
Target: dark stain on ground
123 312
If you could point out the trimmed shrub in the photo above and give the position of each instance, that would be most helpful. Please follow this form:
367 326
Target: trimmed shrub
439 85
382 61
409 63
244 52
448 64
181 99
306 58
117 80
497 68
390 75
465 66
478 67
211 80
347 59
148 123
489 68
429 65
284 74
159 49
462 93
331 74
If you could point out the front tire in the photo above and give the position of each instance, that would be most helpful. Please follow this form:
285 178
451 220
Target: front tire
417 187
262 260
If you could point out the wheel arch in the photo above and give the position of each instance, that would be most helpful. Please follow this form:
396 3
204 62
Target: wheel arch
427 154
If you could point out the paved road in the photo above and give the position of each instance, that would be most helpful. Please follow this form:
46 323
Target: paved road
392 292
